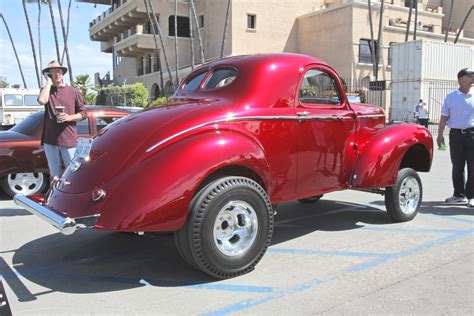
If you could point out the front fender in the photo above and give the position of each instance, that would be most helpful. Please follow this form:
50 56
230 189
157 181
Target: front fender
154 194
381 156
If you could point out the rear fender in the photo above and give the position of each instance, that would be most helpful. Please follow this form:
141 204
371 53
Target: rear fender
388 150
154 194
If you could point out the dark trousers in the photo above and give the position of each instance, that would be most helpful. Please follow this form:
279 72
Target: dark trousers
461 148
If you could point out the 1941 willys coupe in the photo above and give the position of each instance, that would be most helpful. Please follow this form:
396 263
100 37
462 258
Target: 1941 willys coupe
239 136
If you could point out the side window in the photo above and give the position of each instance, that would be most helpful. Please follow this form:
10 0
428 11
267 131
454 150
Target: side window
13 99
318 87
101 122
31 100
193 83
83 127
220 78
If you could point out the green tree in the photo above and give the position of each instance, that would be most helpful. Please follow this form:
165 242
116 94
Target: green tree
82 83
3 82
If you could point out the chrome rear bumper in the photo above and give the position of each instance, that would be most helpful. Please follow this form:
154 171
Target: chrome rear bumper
66 225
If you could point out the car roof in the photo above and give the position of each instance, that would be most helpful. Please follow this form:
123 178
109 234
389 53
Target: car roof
263 59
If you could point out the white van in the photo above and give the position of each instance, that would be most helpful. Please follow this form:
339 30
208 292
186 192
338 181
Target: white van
16 104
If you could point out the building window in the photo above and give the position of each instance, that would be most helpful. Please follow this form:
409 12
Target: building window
156 63
148 65
366 51
147 26
251 21
139 66
201 21
389 59
413 4
182 23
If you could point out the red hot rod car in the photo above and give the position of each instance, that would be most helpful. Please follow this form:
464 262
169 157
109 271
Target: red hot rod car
239 136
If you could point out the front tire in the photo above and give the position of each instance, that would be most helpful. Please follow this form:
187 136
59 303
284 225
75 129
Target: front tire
25 183
229 228
404 198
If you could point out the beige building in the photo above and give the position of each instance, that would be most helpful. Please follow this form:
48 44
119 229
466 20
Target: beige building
336 31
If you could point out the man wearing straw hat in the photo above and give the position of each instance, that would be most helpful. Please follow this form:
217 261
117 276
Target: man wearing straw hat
63 106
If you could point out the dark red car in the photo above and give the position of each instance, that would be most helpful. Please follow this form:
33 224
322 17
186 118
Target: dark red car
240 136
23 165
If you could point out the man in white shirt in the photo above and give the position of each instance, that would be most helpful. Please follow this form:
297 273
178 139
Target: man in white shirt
458 113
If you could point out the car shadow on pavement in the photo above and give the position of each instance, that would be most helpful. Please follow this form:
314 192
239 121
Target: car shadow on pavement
296 219
444 209
93 261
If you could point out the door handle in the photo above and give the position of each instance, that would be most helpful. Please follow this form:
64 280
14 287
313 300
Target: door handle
304 113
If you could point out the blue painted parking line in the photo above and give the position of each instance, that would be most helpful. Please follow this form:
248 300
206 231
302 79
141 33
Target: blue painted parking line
409 251
412 230
239 306
324 252
245 304
222 287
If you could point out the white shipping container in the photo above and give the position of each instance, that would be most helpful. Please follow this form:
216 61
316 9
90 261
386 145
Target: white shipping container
425 70
428 60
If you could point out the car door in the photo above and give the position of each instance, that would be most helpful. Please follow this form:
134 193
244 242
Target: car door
325 133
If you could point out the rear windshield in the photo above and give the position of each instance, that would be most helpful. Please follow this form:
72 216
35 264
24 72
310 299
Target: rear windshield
13 99
31 100
31 125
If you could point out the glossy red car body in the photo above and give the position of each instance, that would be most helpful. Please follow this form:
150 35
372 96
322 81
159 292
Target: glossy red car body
22 153
266 123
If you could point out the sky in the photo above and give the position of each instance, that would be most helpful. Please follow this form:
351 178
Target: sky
85 55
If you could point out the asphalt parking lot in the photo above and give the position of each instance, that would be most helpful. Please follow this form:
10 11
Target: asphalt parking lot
341 255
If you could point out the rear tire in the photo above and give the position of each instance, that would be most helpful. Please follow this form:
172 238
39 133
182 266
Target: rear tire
404 198
229 228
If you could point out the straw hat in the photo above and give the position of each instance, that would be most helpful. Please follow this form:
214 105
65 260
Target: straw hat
54 64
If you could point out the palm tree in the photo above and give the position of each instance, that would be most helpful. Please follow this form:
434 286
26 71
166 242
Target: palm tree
154 23
448 27
176 39
201 50
372 44
65 42
225 28
82 83
157 54
463 22
67 27
191 41
409 21
14 49
50 4
32 42
39 40
379 40
416 20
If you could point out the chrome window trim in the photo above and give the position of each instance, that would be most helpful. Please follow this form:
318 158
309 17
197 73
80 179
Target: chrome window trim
250 118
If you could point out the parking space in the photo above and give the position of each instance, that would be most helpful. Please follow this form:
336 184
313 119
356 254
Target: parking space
342 254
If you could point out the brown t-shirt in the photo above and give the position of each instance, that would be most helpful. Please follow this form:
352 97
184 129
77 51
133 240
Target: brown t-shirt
62 134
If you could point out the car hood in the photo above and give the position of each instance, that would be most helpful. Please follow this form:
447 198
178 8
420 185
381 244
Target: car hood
119 144
10 136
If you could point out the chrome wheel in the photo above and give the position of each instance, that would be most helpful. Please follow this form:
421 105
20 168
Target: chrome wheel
409 196
403 199
26 183
235 228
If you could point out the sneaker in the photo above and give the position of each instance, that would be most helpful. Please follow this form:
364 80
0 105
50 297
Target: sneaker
470 203
456 199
